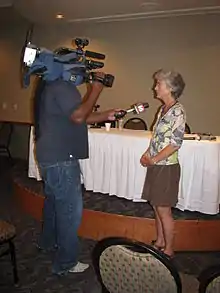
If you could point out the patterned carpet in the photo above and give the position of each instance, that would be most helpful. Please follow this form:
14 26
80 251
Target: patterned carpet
35 268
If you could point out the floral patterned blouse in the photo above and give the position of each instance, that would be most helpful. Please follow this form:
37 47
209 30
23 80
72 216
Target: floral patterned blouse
168 129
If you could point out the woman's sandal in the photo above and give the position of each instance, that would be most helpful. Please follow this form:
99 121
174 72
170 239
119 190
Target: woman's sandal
170 257
161 248
153 243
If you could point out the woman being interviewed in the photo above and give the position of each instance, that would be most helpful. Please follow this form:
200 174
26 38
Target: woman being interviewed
163 174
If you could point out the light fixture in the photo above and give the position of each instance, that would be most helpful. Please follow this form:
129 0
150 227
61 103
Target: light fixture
149 3
59 16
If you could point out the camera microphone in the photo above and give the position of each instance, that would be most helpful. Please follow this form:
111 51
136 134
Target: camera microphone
135 109
91 64
94 55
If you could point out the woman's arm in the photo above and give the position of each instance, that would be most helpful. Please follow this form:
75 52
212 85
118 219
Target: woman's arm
177 135
146 160
165 153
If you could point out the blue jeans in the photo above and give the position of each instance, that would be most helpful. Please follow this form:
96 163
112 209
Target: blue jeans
62 212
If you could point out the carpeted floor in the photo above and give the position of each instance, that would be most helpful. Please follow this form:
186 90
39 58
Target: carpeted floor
35 268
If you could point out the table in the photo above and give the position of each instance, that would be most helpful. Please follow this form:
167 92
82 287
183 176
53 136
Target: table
113 168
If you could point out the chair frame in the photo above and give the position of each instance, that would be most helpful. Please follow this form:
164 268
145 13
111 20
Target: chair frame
11 251
4 148
207 276
134 246
187 129
136 118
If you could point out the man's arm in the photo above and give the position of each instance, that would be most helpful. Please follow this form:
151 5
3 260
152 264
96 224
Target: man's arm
84 110
69 101
101 116
88 92
96 117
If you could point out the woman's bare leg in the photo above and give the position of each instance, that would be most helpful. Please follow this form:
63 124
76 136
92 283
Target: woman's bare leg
166 218
160 241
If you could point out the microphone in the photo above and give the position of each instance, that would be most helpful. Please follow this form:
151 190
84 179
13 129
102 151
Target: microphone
135 109
94 64
94 55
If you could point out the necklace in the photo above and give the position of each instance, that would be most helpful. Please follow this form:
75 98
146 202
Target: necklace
168 107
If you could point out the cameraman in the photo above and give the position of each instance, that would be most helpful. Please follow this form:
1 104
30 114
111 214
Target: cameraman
61 137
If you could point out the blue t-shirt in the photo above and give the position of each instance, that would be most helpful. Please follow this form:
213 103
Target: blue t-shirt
59 138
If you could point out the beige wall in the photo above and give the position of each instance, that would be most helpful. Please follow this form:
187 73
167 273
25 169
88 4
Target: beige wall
14 101
134 51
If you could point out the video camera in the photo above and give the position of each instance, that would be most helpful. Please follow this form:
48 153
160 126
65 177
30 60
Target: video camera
73 65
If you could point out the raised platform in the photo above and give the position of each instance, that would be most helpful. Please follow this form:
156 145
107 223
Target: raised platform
106 215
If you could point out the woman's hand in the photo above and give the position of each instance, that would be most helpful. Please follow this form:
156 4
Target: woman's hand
146 160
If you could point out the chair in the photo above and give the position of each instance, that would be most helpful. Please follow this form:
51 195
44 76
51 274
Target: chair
7 234
210 280
135 124
124 266
6 130
187 129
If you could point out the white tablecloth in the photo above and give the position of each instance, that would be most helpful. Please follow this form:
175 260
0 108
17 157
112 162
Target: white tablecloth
113 168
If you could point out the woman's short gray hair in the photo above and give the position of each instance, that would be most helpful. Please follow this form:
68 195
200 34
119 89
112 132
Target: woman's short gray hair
173 80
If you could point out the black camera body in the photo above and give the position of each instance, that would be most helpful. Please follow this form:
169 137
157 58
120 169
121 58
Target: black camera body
106 81
73 65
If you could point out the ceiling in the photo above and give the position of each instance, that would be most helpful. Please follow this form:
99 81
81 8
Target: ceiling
44 11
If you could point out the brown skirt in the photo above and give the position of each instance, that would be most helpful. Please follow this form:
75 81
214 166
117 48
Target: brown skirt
161 185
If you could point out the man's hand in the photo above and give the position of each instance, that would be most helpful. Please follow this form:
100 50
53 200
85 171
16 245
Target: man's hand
146 160
96 117
97 85
111 114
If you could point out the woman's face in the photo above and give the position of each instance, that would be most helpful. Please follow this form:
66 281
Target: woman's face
161 89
